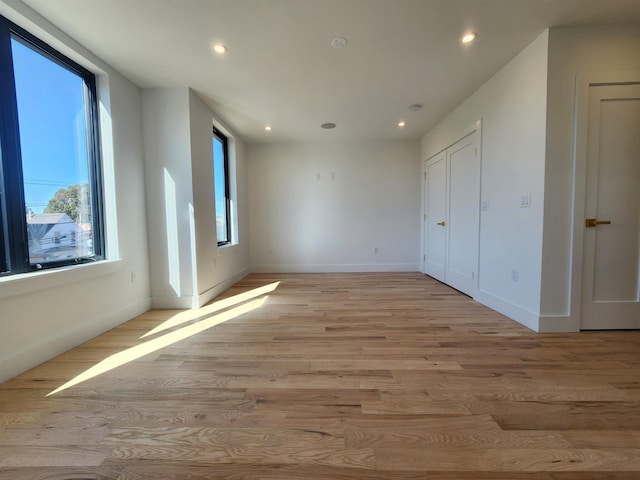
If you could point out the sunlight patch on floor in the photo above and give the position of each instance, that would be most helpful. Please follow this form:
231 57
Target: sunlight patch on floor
130 354
195 314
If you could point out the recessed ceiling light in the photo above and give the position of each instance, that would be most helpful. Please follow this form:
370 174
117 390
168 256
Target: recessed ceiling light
401 124
468 37
328 125
219 48
267 128
415 107
339 42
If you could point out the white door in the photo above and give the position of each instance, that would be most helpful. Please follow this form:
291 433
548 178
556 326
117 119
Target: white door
611 285
462 219
436 210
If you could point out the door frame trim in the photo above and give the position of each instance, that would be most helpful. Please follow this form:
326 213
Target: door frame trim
579 185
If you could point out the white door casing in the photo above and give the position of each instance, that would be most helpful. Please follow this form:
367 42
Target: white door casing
611 251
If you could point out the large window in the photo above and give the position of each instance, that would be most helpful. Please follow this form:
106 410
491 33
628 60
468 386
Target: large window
221 187
50 195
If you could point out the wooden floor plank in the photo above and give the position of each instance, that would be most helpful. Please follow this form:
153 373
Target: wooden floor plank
509 459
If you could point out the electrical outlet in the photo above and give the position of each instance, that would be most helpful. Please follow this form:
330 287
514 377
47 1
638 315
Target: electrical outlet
525 200
484 206
375 250
134 277
514 275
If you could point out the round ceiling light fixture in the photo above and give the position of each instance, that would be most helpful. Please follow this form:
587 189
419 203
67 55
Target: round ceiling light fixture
339 42
328 125
220 48
268 128
468 37
402 124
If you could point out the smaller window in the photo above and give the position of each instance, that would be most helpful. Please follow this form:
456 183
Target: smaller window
221 187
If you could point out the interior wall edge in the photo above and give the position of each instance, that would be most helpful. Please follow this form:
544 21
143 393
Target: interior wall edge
211 293
172 303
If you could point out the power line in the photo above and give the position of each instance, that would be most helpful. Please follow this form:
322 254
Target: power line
50 183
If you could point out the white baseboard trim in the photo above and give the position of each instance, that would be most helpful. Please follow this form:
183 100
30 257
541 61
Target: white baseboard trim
336 268
515 312
48 348
197 301
216 290
557 324
172 303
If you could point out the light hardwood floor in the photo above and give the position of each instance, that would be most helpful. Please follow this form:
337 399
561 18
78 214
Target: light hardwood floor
329 376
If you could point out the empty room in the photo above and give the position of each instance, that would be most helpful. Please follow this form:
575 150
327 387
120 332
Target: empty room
320 239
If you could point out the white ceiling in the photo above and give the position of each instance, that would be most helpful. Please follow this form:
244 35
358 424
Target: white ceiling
281 70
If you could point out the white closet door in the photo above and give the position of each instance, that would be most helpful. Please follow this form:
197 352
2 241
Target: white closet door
436 210
452 220
463 214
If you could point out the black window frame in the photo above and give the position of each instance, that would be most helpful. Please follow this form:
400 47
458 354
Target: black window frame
225 152
14 245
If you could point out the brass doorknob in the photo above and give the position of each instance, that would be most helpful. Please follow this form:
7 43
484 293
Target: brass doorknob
592 222
442 224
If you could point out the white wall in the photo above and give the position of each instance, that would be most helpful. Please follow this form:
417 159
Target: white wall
584 51
512 107
188 268
46 313
169 194
217 268
202 186
367 196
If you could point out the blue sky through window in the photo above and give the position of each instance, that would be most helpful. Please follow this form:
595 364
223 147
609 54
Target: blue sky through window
219 186
52 124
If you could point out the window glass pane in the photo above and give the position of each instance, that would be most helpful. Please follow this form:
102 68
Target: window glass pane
219 176
52 118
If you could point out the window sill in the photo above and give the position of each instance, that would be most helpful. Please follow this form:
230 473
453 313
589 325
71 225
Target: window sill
228 248
24 283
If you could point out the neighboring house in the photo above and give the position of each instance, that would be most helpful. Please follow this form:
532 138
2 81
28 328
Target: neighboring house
55 236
